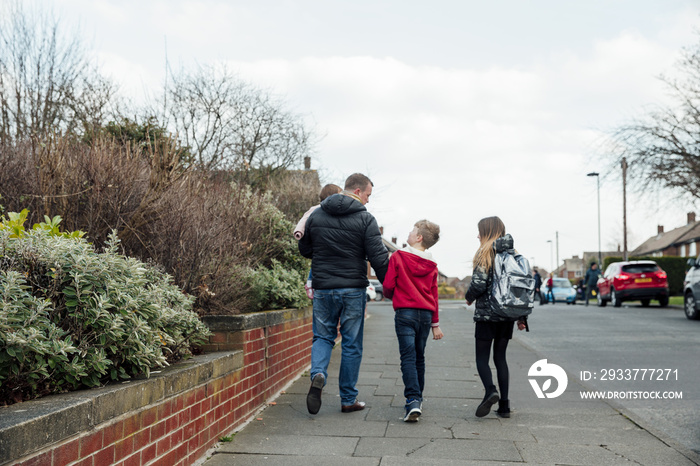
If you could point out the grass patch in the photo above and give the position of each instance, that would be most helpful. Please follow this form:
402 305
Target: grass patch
676 300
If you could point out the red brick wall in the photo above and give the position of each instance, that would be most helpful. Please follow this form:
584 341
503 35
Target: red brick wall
179 430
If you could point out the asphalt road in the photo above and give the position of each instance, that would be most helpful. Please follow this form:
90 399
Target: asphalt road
609 348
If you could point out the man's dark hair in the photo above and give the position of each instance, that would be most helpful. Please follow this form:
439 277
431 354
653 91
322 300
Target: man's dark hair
357 181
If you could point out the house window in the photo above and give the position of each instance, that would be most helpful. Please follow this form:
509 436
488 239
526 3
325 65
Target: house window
683 254
693 249
657 254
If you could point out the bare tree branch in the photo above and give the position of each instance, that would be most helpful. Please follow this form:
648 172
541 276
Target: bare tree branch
47 82
232 125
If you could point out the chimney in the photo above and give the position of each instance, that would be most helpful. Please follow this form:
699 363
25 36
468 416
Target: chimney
691 217
307 163
393 239
660 229
381 231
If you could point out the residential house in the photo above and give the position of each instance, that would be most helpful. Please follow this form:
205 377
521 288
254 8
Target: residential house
575 268
682 241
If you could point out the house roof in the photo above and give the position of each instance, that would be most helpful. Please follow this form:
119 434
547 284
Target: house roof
679 235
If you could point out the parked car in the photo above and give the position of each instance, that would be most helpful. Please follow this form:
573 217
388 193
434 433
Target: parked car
371 292
691 290
632 281
562 291
378 288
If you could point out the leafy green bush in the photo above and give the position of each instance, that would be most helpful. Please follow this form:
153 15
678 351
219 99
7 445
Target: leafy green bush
276 287
71 317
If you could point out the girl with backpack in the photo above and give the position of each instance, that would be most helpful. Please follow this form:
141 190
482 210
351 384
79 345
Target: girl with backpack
490 328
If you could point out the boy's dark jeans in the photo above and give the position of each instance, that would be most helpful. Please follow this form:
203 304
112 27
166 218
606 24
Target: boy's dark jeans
412 330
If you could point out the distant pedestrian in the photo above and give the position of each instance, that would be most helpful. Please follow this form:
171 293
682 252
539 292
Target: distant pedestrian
591 279
538 284
550 288
340 237
490 329
411 284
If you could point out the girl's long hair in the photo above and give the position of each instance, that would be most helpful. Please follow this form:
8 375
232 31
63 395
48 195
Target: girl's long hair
490 229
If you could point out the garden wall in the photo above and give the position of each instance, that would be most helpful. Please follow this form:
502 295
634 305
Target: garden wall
176 415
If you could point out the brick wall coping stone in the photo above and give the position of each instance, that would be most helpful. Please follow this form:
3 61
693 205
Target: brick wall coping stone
255 319
28 427
32 425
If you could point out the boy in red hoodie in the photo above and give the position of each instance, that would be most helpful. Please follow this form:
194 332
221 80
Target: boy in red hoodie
411 283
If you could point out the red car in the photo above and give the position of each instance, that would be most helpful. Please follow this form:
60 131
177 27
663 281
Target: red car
633 281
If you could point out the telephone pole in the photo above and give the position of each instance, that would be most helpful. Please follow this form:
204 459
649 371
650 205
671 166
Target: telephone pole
624 208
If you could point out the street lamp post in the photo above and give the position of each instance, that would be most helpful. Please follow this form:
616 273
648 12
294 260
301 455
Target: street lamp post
624 208
551 253
600 256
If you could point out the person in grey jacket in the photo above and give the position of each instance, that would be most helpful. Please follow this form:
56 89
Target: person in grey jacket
490 329
339 238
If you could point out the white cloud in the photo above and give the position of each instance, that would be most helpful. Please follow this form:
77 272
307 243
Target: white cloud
454 131
455 145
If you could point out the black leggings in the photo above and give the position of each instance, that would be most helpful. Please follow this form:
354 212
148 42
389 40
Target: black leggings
483 350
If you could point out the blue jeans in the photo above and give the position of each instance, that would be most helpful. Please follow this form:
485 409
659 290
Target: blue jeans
347 307
412 330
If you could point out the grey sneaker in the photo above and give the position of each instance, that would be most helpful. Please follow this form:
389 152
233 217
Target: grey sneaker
413 410
313 399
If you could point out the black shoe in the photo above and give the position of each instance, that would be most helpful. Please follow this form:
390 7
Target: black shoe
485 407
313 399
503 408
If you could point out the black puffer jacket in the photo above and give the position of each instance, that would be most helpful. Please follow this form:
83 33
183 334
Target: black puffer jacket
339 238
480 286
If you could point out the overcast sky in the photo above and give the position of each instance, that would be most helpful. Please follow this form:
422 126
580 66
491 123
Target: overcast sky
457 110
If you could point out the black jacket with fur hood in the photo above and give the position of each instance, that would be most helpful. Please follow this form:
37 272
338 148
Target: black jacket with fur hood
339 238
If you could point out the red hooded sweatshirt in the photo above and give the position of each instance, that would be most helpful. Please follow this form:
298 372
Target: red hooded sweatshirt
411 281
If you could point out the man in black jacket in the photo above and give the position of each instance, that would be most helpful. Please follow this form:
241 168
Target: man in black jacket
538 285
340 237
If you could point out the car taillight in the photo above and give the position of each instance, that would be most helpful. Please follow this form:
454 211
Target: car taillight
661 274
623 276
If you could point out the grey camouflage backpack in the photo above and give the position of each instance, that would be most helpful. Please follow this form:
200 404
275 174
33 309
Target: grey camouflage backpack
513 287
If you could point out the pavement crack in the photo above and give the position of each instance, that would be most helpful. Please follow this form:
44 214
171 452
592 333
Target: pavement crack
451 430
409 453
619 455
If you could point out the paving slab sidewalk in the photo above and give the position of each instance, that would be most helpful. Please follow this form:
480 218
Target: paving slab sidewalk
566 430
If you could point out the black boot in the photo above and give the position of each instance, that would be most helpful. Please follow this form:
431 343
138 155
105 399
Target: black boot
490 399
503 408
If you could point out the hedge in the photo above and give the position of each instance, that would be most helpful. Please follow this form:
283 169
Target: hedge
72 317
